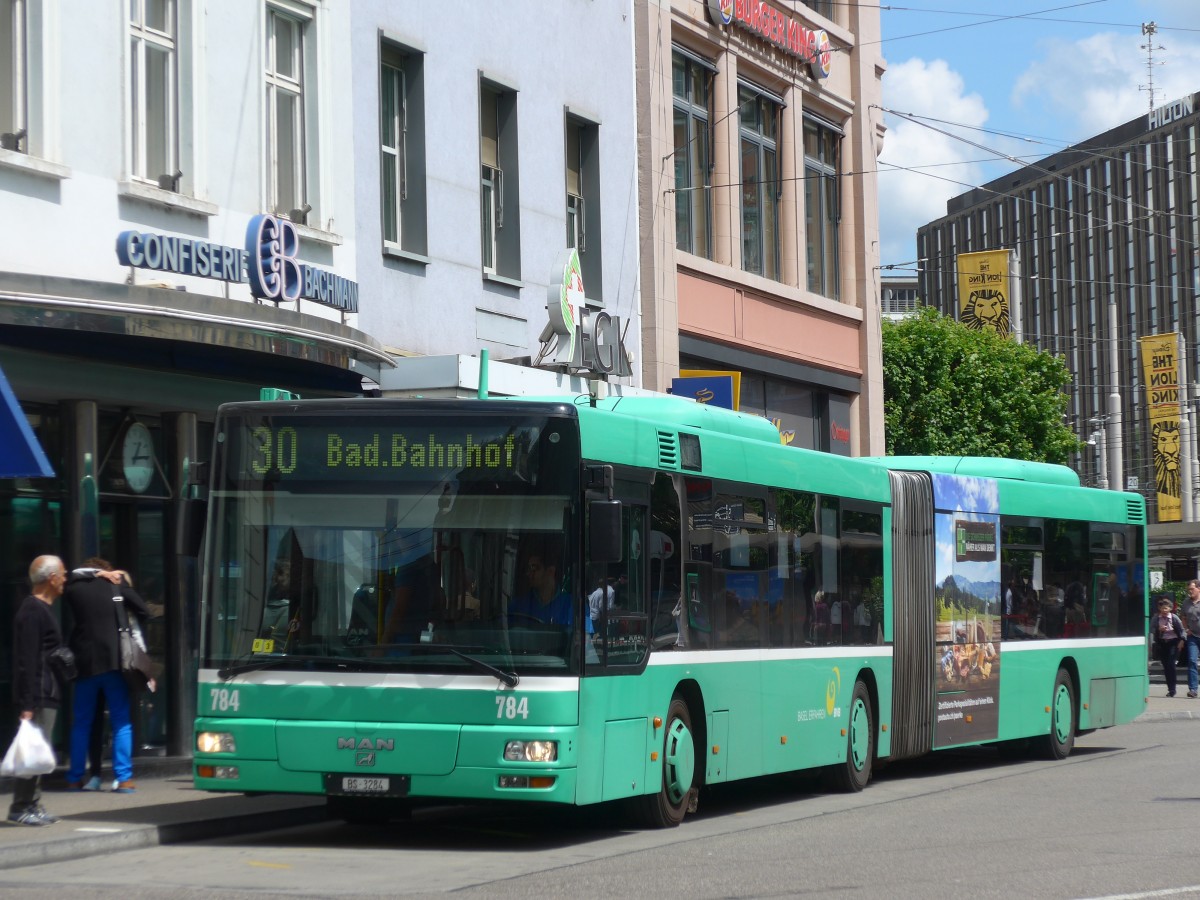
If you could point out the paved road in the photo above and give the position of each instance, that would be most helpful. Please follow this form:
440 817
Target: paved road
1113 819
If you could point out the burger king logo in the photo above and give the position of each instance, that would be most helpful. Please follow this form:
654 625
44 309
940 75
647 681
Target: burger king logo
721 11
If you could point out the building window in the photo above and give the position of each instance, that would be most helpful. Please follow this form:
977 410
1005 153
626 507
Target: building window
286 180
759 127
500 233
402 149
14 77
824 7
693 158
821 206
583 206
153 90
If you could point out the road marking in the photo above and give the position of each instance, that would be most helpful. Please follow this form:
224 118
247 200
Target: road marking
1165 892
101 830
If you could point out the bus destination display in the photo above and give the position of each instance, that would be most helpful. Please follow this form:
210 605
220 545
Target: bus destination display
331 450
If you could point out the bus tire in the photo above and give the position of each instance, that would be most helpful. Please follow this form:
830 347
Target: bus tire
676 795
1059 743
852 775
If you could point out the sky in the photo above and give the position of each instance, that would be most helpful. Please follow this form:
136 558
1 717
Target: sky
977 88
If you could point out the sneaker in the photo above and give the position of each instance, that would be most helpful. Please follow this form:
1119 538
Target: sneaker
41 811
1191 695
28 817
124 787
94 784
1170 693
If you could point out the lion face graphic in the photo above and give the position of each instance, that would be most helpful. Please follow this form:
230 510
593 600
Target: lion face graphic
987 308
1166 458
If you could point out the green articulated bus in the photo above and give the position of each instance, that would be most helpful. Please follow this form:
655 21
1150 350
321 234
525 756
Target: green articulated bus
578 601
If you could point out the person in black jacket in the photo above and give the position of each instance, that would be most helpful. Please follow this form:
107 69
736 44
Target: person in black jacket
92 599
36 690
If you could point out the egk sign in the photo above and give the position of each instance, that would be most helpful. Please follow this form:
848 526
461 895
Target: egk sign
777 28
584 340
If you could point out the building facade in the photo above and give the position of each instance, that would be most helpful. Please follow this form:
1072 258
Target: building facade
758 130
1106 233
285 194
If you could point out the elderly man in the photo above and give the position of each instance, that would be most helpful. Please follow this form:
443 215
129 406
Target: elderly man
36 690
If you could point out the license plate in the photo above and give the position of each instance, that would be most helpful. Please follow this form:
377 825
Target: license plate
359 785
352 785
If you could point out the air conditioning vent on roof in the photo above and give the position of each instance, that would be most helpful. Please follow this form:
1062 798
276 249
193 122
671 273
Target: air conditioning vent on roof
1137 513
668 450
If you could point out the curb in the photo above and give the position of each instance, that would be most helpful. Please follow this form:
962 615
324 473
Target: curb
143 836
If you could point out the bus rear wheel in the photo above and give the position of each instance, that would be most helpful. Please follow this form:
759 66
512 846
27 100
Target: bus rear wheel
676 795
852 775
1059 743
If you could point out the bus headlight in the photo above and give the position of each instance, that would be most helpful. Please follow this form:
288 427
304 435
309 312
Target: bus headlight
531 751
215 742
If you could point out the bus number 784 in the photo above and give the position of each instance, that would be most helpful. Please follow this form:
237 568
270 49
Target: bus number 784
510 707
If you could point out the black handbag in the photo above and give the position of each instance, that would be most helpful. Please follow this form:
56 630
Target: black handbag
62 664
137 668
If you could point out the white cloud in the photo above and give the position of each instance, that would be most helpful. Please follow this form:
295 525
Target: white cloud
1096 83
933 166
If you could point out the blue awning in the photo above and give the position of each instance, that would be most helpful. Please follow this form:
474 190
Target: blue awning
21 456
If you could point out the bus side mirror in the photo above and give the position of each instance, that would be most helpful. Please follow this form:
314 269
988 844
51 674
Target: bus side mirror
189 531
604 531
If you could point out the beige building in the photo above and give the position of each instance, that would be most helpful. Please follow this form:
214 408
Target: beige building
758 129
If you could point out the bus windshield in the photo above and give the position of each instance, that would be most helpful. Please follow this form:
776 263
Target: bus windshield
416 543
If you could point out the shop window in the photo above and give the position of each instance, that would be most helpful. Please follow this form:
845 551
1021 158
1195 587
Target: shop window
583 201
290 112
758 140
691 81
498 192
822 212
154 92
14 76
402 149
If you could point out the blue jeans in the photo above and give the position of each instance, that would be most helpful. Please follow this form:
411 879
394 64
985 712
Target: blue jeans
1193 652
116 695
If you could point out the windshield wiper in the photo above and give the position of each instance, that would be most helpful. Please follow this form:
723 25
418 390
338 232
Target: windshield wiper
273 662
510 679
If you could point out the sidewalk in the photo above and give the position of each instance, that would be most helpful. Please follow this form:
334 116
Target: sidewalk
166 809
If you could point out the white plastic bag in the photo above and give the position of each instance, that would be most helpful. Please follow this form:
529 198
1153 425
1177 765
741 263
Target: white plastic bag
29 754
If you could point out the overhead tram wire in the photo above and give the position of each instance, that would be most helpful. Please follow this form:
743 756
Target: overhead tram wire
1093 191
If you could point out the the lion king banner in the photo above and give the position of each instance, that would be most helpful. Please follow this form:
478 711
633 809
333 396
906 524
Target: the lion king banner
1160 372
987 292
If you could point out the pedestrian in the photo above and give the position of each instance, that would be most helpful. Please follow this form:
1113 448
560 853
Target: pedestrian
91 595
1191 613
1168 639
36 690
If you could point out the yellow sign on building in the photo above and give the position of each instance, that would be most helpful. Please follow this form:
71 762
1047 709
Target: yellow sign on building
1160 372
985 300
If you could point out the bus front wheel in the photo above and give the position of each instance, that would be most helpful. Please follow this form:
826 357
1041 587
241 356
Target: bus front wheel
676 795
1059 743
852 775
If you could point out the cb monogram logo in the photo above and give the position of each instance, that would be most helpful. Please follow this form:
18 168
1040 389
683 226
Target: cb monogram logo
272 245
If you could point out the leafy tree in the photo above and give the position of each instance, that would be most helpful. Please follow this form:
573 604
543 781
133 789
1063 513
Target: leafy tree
951 390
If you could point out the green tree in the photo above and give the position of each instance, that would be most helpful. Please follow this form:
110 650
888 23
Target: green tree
951 390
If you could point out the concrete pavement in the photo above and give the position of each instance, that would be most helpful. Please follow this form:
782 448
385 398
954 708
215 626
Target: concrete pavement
166 808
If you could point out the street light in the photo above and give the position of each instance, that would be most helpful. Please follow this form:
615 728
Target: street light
1097 440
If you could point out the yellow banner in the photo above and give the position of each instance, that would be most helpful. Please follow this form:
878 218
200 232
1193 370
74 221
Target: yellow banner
983 291
1160 373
